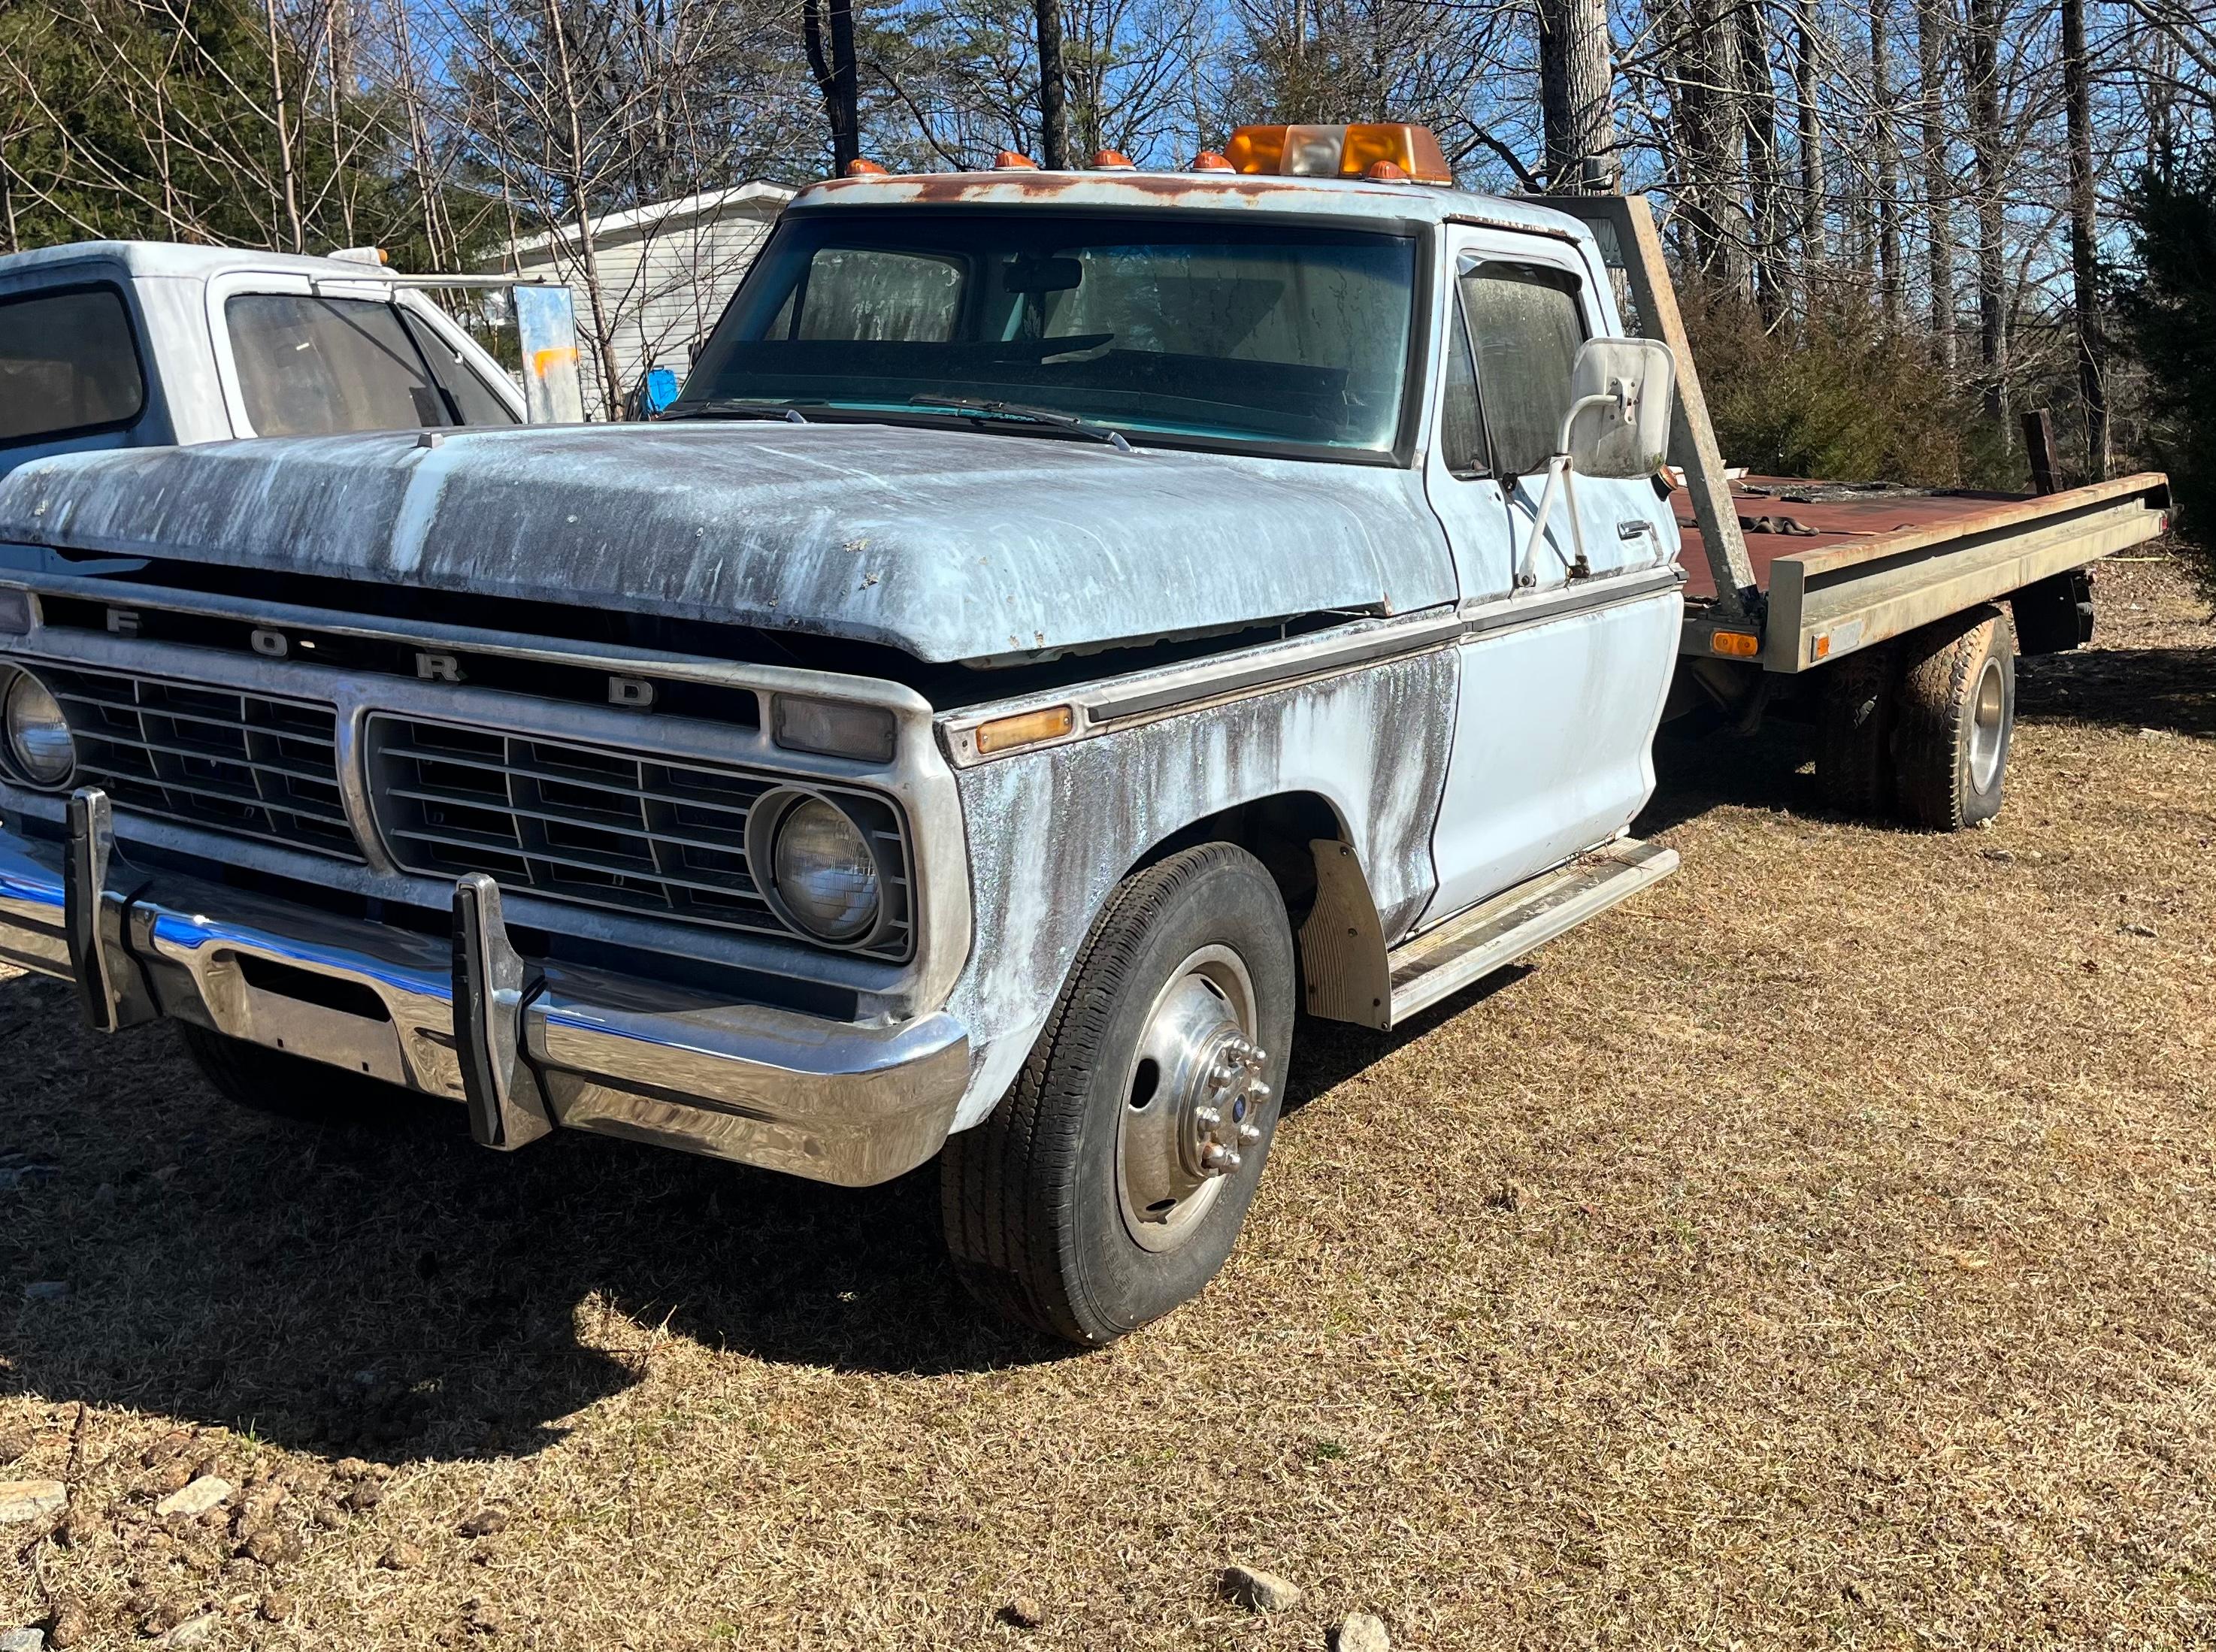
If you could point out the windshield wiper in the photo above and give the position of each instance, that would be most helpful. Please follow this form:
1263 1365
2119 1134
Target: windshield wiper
741 407
977 408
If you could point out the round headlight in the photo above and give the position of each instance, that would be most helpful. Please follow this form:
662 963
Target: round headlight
823 871
38 744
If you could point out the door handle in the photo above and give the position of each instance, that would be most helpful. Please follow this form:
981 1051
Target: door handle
1632 530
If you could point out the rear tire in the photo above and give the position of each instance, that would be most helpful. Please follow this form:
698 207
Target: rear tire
289 1086
1110 1183
1955 719
1854 743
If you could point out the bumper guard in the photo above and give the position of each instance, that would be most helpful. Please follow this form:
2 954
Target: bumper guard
527 1046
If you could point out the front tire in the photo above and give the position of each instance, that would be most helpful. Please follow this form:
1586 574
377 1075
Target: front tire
1110 1183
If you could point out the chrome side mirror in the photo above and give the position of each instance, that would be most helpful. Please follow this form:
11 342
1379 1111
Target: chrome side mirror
1621 392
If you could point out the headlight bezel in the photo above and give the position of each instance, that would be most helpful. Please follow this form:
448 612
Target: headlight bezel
765 825
14 681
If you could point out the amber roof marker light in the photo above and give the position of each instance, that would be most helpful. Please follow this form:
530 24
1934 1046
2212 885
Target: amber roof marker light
1354 152
1008 161
1208 161
859 167
1113 160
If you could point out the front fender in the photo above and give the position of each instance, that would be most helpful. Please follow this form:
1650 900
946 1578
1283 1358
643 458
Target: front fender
1053 831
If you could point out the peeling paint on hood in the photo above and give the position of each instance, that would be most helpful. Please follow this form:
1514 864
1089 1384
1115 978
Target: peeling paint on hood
950 544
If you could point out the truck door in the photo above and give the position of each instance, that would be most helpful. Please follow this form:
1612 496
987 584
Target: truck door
1563 668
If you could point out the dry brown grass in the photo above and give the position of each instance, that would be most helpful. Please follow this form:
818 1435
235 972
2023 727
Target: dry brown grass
1818 1251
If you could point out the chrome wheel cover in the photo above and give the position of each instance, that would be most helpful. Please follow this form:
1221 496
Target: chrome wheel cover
1988 726
1192 1100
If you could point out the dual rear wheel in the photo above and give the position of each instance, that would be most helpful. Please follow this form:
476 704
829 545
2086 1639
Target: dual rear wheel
1919 729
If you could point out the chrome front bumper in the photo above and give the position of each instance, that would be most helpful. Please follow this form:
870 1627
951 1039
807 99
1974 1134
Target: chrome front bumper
527 1046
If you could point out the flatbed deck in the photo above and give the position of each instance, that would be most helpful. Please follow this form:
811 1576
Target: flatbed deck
1840 566
1790 516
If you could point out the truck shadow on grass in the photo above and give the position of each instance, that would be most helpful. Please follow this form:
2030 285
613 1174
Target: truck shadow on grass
394 1291
2169 689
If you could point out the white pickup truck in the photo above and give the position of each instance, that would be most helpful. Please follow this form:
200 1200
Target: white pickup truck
1070 626
109 344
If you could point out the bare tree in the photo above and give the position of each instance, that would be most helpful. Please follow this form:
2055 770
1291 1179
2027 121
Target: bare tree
1885 136
2084 258
1933 48
1577 82
1981 77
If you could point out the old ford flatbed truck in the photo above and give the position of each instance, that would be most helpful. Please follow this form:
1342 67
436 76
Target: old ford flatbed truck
1069 625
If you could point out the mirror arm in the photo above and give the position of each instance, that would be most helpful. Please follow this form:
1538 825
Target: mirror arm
1559 468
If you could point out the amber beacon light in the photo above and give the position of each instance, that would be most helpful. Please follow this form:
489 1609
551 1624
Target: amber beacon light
1340 151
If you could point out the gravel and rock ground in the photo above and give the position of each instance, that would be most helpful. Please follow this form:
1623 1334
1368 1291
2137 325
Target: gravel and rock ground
1817 1251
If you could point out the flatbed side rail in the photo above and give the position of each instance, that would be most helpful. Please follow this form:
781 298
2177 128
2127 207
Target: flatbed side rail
1833 601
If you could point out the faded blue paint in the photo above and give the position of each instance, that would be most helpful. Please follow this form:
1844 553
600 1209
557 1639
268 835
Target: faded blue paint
950 544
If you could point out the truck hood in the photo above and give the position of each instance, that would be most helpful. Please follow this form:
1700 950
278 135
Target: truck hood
949 544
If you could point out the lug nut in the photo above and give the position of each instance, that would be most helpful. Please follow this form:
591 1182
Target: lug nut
1208 1117
1249 1133
1219 1159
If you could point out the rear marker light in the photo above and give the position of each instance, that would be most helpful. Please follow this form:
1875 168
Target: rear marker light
1734 645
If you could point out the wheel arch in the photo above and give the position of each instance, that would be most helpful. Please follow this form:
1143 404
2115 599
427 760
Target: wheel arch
1307 847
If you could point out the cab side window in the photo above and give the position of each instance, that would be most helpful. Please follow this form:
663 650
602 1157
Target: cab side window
1526 325
1461 432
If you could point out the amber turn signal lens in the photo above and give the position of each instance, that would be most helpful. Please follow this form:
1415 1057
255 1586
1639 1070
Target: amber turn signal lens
1026 729
1734 645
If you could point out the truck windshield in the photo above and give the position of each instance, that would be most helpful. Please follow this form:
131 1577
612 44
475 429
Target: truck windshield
1166 325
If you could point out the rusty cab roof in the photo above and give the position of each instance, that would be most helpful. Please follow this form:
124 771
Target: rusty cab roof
1355 202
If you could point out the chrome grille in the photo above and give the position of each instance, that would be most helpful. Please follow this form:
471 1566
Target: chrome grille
593 826
244 764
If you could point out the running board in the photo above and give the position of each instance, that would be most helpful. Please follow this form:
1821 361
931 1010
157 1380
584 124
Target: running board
1445 959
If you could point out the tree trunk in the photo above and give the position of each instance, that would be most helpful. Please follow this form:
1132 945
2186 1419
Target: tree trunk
1811 136
1981 68
1887 140
1577 95
284 131
1931 21
2077 96
1759 100
1706 77
1054 120
836 77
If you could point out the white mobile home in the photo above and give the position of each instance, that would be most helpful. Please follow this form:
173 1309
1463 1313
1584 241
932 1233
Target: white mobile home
666 271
